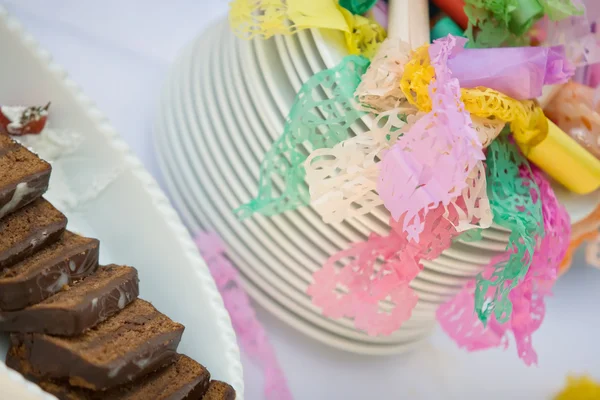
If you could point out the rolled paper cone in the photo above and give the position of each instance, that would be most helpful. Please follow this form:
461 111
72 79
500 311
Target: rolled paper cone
566 161
455 9
444 27
526 13
409 21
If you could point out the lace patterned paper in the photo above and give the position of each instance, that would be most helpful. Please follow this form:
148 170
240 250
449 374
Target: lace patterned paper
354 282
313 123
429 166
266 18
461 324
379 89
343 179
364 36
250 333
515 201
502 23
527 120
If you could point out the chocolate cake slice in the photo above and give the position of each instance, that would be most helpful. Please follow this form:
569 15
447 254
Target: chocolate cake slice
131 344
29 229
182 379
79 307
46 272
23 176
218 390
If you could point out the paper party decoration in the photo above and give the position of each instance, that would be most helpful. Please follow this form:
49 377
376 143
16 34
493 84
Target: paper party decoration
314 122
461 324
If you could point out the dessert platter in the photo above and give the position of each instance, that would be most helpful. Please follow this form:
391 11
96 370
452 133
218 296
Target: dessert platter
103 294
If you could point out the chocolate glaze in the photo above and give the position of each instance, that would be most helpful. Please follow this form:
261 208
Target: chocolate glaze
71 264
39 237
54 361
58 318
171 387
37 185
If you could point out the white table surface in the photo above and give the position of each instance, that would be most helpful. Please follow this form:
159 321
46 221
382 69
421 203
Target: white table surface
119 51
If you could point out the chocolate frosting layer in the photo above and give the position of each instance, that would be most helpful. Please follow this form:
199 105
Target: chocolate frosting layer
106 293
13 197
179 380
152 345
39 238
72 263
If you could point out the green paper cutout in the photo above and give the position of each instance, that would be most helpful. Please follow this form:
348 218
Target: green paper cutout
515 201
359 7
503 23
315 121
524 16
560 9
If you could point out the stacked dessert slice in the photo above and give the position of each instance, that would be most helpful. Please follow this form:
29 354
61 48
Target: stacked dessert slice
78 329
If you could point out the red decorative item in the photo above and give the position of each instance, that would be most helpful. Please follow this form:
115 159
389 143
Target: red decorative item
19 120
455 10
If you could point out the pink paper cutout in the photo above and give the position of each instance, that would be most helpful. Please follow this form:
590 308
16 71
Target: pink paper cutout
250 333
460 322
429 166
370 281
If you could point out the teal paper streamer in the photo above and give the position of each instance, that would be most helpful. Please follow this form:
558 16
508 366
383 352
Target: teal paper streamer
515 201
359 7
321 116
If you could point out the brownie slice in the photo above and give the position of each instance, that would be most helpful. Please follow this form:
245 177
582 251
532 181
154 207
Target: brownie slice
182 379
79 307
218 390
23 176
29 229
46 272
131 344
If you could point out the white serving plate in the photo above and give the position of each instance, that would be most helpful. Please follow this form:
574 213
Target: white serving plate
130 215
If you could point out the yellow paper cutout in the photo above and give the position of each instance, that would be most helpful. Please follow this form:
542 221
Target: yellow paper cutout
364 36
527 120
326 14
582 388
263 19
266 18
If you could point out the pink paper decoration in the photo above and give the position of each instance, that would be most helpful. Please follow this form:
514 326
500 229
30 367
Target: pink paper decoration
429 166
250 333
370 281
460 322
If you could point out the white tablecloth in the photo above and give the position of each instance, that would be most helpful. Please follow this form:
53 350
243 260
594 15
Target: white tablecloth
119 51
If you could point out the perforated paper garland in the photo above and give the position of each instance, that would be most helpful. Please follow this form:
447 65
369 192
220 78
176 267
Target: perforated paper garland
314 122
251 335
429 165
266 18
501 23
526 119
364 35
515 202
462 325
379 89
370 281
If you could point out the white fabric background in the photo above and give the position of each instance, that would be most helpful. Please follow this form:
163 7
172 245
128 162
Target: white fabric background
119 51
